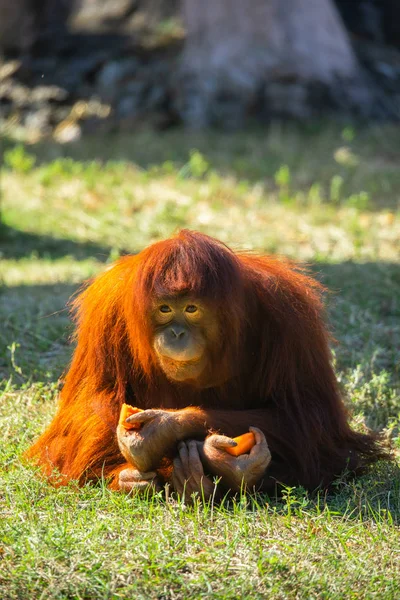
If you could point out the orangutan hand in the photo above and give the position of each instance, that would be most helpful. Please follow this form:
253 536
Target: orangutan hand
236 472
159 432
134 482
188 476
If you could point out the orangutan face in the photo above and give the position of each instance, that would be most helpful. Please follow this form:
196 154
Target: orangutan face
185 329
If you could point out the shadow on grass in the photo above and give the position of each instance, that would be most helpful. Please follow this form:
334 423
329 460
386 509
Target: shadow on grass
372 285
20 244
35 332
374 495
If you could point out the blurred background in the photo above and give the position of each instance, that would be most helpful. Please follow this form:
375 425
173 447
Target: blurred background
74 66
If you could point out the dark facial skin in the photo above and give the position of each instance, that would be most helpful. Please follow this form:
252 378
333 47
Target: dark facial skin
184 330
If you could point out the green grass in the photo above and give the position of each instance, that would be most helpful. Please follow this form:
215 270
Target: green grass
325 194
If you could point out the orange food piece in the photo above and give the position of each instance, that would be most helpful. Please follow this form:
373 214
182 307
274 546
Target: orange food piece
244 442
127 411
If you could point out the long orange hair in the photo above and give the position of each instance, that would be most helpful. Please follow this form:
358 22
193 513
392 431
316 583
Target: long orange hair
273 342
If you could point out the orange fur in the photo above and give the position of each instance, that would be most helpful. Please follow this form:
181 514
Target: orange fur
273 345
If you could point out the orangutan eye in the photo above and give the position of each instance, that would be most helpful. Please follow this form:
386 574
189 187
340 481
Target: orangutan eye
191 308
164 308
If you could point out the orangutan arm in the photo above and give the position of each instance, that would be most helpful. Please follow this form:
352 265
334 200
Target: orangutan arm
161 430
157 434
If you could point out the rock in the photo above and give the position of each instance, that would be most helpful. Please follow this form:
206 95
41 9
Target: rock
67 131
37 122
112 75
43 93
9 69
94 15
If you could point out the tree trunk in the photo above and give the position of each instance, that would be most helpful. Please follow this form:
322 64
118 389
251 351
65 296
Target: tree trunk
236 49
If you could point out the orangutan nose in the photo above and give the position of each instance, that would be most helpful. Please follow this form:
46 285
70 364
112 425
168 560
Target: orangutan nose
177 331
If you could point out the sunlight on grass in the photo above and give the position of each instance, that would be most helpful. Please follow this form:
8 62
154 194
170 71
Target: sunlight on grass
326 195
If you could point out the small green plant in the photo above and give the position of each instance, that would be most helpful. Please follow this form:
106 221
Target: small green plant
168 167
60 167
348 134
13 348
314 195
282 177
335 188
282 180
196 167
359 201
17 159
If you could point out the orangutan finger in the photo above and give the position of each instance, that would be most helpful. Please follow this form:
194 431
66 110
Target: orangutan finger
136 486
144 416
196 467
125 486
221 441
258 435
178 476
260 453
135 475
184 456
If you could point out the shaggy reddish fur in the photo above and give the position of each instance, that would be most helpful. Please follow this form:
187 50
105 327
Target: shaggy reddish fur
273 342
